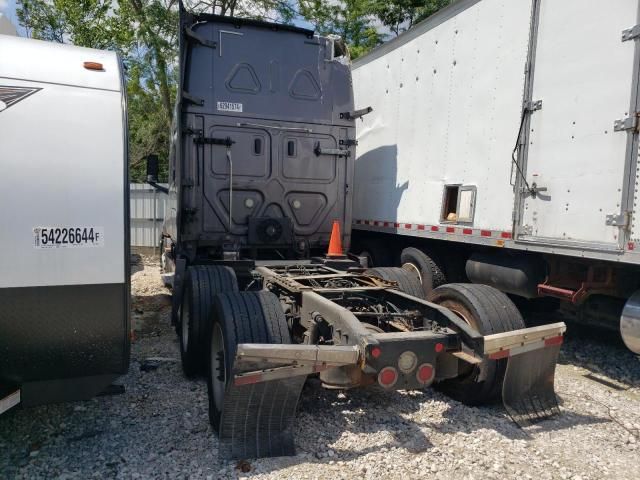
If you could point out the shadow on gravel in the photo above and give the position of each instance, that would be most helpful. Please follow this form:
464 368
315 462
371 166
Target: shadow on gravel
601 352
331 414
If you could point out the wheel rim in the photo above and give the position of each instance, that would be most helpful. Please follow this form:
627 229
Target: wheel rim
411 267
185 321
218 371
461 312
466 316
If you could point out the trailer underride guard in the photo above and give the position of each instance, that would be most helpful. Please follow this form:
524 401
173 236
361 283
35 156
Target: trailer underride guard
261 168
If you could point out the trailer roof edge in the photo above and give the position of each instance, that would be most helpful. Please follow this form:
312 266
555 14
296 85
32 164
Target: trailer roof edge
427 24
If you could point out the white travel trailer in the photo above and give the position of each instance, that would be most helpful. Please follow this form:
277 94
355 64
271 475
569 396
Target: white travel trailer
64 280
503 145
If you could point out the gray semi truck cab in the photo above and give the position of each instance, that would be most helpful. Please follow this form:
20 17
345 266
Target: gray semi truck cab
260 175
263 142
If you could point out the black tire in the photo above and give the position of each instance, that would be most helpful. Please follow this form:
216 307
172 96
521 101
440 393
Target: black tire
241 317
202 283
489 311
407 281
375 251
430 274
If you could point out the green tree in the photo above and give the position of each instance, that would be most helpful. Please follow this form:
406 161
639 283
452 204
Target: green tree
351 19
401 15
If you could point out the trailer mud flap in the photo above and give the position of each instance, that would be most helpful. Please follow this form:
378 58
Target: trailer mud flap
532 353
528 390
258 418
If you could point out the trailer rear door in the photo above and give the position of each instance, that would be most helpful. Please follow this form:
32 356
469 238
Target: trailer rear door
585 76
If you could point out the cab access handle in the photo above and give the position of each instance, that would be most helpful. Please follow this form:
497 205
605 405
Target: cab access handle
318 150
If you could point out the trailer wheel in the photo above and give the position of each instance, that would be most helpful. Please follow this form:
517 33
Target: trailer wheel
239 317
407 281
430 274
488 311
202 282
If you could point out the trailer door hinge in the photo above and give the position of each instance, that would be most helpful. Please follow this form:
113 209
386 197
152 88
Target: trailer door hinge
627 124
618 220
631 33
533 106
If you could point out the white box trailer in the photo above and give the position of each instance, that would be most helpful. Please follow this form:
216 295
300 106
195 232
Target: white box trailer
504 140
64 278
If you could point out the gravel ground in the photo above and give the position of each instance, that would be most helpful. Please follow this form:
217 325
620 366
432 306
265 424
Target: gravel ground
159 427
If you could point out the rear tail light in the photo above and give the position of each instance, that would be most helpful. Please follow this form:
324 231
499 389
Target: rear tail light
376 352
388 377
425 373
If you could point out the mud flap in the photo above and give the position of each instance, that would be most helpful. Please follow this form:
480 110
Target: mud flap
258 419
528 389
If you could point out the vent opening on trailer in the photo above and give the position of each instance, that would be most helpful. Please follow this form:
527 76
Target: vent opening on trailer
458 204
450 203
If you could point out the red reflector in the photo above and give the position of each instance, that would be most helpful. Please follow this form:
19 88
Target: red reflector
94 66
485 233
420 227
505 235
396 225
376 352
467 231
451 230
407 226
499 355
387 377
439 347
553 341
435 229
386 224
425 373
247 380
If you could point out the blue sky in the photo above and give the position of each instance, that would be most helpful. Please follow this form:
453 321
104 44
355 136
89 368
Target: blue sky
8 7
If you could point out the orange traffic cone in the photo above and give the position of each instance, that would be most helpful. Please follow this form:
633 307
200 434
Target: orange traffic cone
335 242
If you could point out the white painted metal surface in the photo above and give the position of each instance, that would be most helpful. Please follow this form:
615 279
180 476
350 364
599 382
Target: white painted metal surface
446 109
584 76
63 164
147 211
48 62
447 100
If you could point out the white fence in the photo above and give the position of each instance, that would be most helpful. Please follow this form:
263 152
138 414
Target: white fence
147 212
